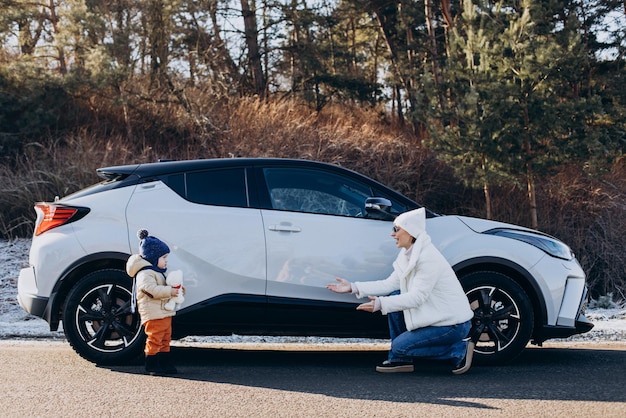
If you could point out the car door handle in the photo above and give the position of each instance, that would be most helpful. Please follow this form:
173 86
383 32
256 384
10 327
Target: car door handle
284 228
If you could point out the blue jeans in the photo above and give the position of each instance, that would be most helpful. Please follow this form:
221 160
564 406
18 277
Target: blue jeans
437 343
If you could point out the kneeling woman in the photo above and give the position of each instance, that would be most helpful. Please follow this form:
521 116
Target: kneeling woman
428 312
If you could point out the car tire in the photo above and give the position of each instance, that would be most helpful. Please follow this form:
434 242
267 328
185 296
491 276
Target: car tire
503 316
97 319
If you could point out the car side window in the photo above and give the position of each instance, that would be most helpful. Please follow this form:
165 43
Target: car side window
222 187
315 191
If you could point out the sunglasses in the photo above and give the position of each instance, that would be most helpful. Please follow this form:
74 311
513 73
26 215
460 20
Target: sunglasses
395 228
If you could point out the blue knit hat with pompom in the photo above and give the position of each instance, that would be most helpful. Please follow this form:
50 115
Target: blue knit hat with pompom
151 248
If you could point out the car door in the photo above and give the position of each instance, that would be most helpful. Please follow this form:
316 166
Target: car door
316 230
214 237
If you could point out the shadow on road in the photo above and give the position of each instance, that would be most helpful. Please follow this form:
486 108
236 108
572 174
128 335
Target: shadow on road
538 374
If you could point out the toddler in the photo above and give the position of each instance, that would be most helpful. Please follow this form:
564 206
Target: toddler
152 293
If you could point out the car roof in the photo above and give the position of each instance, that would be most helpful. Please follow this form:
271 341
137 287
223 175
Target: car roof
122 175
169 166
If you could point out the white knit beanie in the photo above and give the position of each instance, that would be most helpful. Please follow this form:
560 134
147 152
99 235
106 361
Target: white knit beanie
413 222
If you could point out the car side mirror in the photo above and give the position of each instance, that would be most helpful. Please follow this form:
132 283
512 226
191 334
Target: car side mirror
379 208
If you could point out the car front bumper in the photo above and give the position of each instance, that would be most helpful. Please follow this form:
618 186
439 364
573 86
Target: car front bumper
579 325
547 332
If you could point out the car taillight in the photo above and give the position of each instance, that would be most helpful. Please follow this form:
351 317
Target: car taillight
57 215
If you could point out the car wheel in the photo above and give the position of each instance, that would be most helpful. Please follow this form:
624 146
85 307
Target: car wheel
97 319
503 316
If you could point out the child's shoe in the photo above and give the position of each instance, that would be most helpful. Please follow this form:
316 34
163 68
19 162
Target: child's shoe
165 362
152 366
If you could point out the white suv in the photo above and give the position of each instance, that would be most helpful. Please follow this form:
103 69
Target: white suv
258 240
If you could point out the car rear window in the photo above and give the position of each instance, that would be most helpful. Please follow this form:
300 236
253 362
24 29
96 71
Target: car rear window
224 187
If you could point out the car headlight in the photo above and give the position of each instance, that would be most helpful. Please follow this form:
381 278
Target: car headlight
546 243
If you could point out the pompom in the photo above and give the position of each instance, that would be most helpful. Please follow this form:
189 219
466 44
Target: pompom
142 234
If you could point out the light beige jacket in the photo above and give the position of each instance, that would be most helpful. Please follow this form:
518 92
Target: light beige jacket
152 292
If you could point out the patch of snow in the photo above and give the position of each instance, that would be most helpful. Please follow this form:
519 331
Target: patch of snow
15 323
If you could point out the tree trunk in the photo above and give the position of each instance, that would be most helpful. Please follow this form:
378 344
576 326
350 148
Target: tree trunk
127 122
159 41
54 21
486 190
400 110
530 181
387 17
434 53
487 193
226 63
254 56
445 11
531 195
27 40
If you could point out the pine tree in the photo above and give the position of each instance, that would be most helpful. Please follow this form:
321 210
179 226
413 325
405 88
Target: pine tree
512 106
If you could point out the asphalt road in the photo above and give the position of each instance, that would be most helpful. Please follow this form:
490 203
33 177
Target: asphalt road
43 378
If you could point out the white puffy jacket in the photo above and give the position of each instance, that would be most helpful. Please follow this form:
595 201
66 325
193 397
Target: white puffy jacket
430 293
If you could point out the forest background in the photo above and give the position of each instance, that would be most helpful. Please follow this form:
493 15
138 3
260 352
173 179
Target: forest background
509 110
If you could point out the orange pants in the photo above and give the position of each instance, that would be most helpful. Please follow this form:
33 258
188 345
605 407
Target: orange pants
159 333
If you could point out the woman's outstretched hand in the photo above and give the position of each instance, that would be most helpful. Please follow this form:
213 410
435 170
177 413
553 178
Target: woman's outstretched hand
342 286
369 306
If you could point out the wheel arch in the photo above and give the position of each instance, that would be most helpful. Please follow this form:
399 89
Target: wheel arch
516 272
79 269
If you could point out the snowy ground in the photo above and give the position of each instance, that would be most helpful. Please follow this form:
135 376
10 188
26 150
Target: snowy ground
610 324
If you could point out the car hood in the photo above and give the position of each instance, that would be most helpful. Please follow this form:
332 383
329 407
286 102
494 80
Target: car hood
481 225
